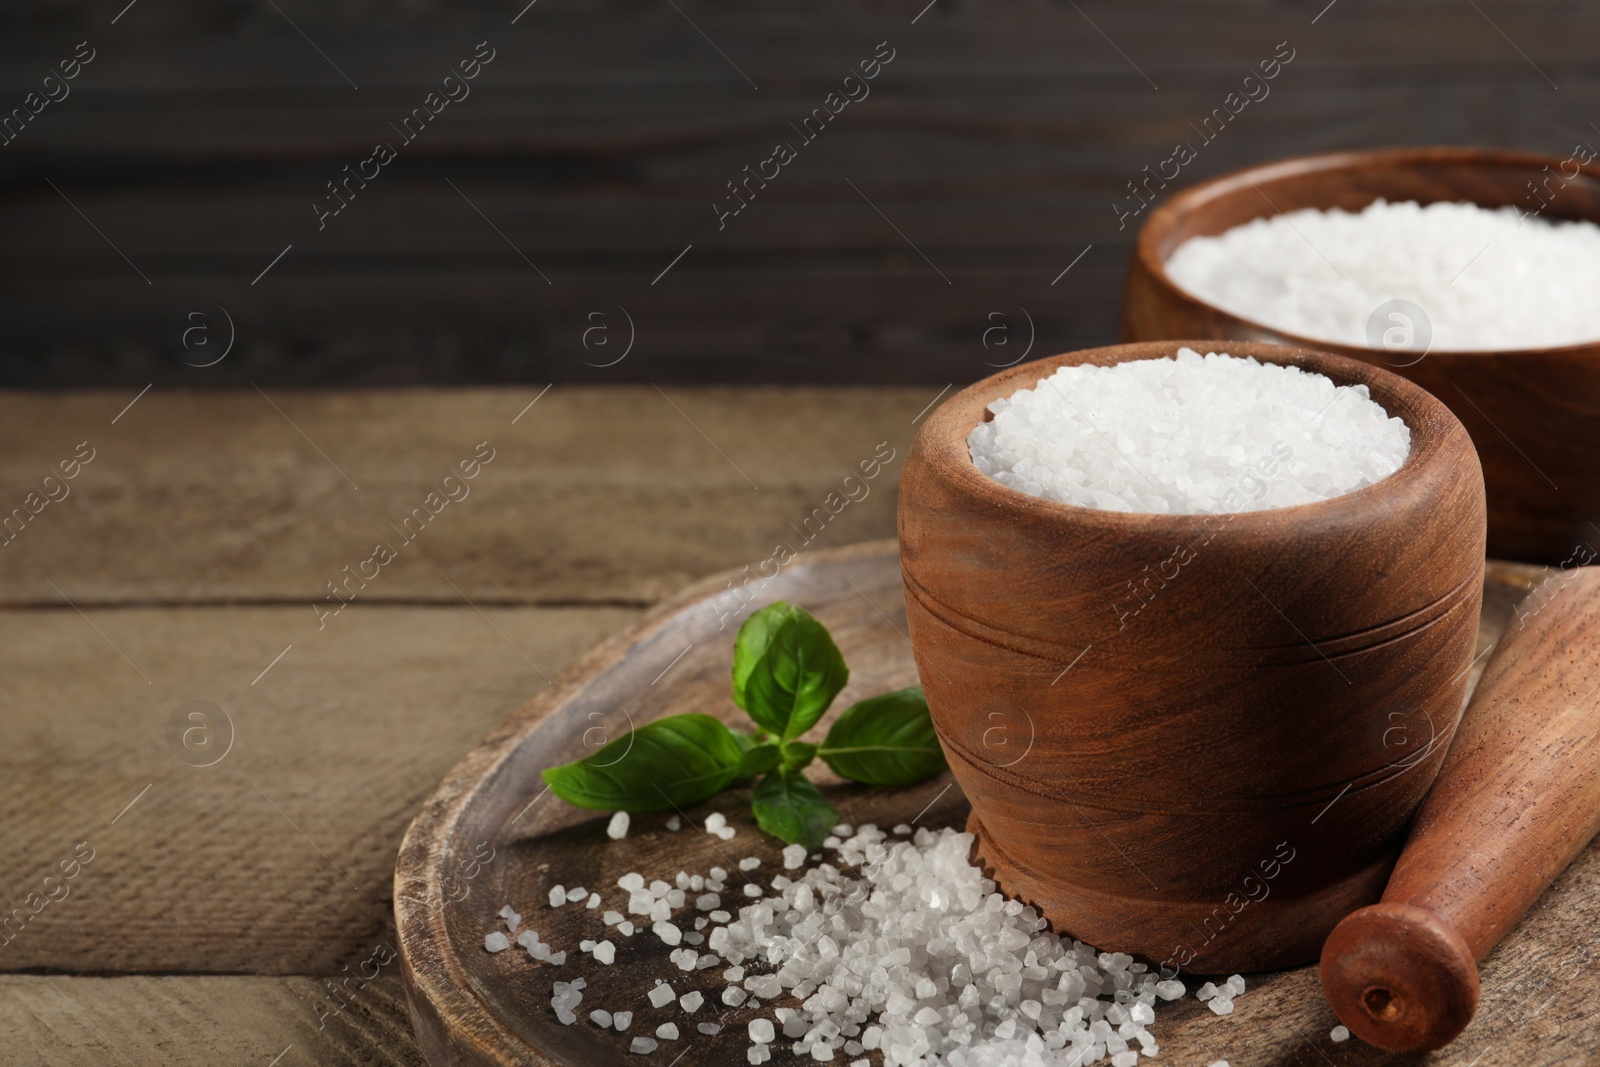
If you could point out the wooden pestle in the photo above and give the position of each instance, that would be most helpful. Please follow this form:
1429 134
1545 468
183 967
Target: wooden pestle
1517 798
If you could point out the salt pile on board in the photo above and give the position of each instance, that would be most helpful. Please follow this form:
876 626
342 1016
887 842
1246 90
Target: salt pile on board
905 949
1486 278
1188 435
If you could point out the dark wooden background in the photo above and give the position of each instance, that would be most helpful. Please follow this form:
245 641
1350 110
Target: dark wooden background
596 142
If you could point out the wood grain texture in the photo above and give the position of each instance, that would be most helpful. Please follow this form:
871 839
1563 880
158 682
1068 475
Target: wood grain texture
473 1008
1534 415
997 141
1208 703
594 495
1517 798
68 1021
277 858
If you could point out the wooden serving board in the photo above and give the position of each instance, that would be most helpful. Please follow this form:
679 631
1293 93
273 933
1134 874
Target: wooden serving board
491 835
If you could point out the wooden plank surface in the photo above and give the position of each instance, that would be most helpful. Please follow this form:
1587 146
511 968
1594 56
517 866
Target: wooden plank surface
597 141
70 1021
593 495
277 858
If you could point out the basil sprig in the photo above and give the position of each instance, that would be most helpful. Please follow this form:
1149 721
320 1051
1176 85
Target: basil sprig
786 672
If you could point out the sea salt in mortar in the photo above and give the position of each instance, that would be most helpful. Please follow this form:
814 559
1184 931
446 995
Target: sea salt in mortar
896 947
1188 435
1485 278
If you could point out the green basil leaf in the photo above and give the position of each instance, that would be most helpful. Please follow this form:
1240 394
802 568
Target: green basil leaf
786 669
797 754
887 740
672 762
759 760
790 808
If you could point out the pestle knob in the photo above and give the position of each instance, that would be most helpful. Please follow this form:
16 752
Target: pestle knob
1517 798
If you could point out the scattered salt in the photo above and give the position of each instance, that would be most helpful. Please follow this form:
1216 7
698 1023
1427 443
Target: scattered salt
1188 435
495 941
793 857
904 949
667 932
617 828
749 863
674 824
600 1018
558 896
576 894
1339 1033
1485 278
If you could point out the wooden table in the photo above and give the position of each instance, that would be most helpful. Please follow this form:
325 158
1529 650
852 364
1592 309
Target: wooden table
189 561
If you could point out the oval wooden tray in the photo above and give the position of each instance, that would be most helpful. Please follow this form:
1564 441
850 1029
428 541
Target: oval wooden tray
490 835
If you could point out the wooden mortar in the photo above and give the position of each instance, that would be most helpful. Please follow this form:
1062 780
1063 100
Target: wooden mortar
1518 798
1178 732
1534 413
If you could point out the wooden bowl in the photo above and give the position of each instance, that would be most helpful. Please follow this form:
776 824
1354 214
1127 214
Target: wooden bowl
1534 414
1197 739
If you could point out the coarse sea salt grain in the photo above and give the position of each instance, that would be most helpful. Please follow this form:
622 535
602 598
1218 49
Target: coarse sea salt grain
1339 1033
1485 278
902 949
1189 435
617 828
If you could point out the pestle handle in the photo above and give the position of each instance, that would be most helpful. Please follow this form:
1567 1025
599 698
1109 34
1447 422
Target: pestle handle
1517 798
